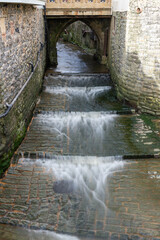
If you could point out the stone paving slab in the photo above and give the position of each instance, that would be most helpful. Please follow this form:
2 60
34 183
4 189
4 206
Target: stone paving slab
27 199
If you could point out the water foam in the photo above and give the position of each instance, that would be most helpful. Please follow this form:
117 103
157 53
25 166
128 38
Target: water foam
96 120
88 133
84 92
80 127
47 235
79 80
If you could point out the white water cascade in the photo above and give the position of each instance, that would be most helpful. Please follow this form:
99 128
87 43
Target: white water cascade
89 93
47 235
87 176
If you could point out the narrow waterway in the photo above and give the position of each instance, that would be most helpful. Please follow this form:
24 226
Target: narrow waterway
86 168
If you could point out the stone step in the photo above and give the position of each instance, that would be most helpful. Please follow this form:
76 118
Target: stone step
50 155
78 80
101 98
94 133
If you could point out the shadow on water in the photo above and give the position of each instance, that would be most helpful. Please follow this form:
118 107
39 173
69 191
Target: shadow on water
72 59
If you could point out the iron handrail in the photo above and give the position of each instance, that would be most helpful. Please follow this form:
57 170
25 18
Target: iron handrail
33 68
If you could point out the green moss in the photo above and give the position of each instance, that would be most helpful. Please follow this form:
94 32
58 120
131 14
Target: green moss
110 96
6 158
149 121
13 127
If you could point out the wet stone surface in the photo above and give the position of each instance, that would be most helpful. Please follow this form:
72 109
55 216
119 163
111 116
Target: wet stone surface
27 199
68 175
94 133
72 59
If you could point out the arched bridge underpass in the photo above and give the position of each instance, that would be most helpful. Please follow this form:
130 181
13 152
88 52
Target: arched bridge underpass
95 13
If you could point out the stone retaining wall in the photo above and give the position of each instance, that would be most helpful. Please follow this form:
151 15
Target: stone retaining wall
21 34
134 57
80 34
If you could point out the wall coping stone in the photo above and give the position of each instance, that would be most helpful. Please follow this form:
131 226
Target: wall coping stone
32 2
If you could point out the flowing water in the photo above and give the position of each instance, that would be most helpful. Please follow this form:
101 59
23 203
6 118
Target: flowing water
69 175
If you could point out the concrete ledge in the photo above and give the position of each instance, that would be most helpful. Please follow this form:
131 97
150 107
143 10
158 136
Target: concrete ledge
50 155
32 2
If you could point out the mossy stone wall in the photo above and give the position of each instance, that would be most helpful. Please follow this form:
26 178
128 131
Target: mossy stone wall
22 34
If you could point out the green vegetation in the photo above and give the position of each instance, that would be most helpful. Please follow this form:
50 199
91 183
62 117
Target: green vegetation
6 158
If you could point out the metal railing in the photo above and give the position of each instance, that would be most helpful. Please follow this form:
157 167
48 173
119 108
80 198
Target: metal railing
33 68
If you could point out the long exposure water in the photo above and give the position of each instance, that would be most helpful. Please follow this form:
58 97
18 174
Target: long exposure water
86 168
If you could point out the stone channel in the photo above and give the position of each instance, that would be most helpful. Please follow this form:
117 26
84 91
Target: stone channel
88 167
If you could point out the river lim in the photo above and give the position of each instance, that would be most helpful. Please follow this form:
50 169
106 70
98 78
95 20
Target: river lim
69 175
